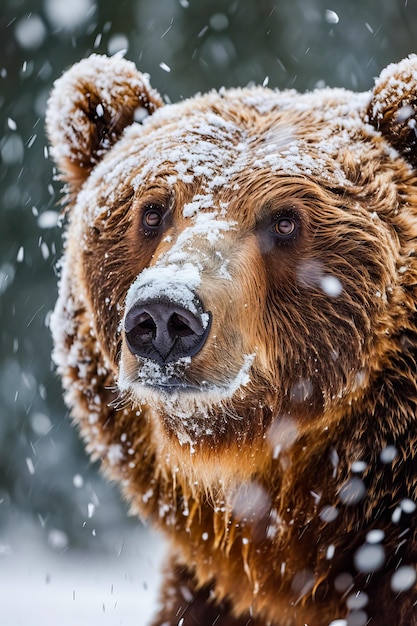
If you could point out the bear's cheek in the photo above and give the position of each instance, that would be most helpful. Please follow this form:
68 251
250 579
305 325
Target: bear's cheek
110 264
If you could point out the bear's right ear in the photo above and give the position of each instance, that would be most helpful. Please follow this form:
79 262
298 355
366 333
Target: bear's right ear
393 107
88 109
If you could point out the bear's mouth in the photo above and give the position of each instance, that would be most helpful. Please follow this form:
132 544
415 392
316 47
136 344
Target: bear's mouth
145 378
176 385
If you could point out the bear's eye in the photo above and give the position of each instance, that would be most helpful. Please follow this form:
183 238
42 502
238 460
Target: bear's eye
152 217
285 227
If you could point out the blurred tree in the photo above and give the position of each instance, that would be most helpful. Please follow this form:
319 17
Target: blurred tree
187 46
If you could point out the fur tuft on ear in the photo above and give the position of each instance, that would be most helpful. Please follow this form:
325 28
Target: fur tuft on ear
393 107
88 109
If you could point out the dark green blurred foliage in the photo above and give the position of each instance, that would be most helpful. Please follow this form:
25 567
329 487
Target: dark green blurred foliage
186 46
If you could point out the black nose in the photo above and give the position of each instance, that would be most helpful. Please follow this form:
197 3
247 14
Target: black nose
166 331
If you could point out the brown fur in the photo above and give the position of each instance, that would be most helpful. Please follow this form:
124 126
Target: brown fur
253 474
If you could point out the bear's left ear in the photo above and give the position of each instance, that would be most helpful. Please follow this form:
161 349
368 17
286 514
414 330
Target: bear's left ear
393 107
88 109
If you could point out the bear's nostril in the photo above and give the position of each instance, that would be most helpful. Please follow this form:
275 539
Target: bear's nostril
179 325
165 331
144 325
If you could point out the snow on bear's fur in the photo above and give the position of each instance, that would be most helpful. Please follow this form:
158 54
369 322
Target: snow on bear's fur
236 335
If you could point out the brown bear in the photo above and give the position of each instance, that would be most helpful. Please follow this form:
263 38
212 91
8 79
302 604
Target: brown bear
236 333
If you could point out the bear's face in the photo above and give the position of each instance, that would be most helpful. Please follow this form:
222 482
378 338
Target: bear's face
242 252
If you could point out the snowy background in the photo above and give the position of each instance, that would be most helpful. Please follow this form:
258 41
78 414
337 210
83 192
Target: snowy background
39 587
68 550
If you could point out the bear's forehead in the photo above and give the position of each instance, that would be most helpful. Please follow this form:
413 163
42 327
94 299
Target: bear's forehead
217 142
219 136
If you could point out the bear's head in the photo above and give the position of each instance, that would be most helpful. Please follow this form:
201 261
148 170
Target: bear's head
243 258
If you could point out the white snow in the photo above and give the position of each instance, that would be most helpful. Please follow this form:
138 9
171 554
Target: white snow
7 274
407 505
115 454
331 17
78 481
30 31
403 579
312 273
30 466
58 539
352 491
118 43
302 390
369 558
48 219
388 454
331 286
328 513
219 21
358 467
375 536
12 150
297 160
250 501
151 373
171 282
20 254
68 15
40 423
330 552
42 588
11 123
357 600
396 515
281 435
404 113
